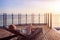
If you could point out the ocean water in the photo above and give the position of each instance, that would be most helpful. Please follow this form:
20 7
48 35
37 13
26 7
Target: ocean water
1 20
55 20
55 23
23 19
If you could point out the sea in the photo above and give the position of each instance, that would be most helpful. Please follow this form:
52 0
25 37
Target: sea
23 19
55 20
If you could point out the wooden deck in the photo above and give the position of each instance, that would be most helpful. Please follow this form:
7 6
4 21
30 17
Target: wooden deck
48 34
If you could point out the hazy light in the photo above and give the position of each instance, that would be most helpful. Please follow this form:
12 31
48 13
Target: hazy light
31 6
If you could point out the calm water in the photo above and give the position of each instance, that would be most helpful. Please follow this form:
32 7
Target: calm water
55 19
23 20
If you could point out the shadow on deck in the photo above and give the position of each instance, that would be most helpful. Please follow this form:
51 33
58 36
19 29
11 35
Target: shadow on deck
46 34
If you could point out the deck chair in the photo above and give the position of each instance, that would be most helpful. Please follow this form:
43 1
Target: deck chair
33 35
16 33
24 37
9 37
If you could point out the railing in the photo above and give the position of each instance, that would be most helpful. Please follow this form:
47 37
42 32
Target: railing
47 19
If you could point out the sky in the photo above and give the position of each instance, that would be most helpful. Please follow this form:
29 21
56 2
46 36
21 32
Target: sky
29 6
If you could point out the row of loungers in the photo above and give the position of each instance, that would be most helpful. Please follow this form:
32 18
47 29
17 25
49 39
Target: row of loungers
23 37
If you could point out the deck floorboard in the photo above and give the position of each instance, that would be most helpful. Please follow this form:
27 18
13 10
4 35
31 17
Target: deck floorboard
48 34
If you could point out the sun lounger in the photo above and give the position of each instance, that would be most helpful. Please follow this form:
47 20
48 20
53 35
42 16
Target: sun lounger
23 37
9 37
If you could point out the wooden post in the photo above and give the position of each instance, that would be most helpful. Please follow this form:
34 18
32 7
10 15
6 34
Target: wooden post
32 18
50 20
45 18
26 18
12 18
4 20
39 18
19 18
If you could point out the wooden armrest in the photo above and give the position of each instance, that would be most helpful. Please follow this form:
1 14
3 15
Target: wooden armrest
36 32
15 32
9 37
